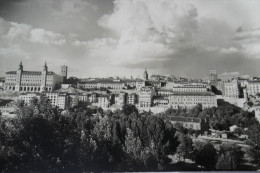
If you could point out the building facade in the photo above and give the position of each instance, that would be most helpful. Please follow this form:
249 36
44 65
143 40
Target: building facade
64 71
191 123
189 100
32 81
146 95
252 87
231 89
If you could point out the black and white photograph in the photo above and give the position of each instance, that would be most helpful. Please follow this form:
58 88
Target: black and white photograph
129 86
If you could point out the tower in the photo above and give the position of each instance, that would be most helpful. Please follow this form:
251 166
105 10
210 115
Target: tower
19 76
64 71
145 76
44 77
213 74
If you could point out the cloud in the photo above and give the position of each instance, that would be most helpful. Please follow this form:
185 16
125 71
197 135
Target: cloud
144 35
46 37
173 36
250 41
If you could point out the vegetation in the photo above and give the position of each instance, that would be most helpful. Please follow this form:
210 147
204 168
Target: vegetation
82 139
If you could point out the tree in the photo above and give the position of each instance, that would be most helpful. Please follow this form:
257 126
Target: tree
205 155
226 162
185 148
129 109
230 157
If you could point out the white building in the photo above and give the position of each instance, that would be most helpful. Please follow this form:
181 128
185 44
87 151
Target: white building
146 95
61 100
189 100
132 98
253 87
231 89
32 81
27 97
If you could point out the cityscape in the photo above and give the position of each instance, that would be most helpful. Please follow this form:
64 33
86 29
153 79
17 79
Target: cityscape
145 94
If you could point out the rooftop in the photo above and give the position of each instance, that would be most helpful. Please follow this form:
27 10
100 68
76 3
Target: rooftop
194 93
30 72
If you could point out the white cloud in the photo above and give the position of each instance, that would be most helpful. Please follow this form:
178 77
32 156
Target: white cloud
144 34
46 37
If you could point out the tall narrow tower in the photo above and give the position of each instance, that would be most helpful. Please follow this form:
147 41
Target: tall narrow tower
44 77
64 71
19 76
145 77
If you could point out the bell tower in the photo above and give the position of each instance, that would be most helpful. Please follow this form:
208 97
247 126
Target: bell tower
44 77
145 76
19 76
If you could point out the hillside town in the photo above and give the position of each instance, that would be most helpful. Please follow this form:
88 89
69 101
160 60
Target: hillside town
183 102
129 86
155 93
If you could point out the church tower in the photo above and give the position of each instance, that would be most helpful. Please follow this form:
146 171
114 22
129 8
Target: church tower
19 76
64 71
145 77
44 77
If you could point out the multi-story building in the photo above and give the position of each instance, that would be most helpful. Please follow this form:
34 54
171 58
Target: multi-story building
104 101
190 88
61 100
32 81
164 92
231 89
252 87
101 84
189 100
191 123
27 97
256 108
132 98
139 84
160 101
120 99
146 95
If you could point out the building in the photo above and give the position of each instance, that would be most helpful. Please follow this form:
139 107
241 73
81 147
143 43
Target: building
163 92
97 84
32 81
27 97
132 98
120 99
61 100
160 101
64 71
231 89
252 87
189 100
145 76
104 101
256 108
146 95
139 84
213 75
190 88
191 123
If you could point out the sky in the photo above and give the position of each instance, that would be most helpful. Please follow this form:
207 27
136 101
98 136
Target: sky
102 38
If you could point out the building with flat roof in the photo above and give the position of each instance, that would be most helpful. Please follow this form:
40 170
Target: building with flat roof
191 99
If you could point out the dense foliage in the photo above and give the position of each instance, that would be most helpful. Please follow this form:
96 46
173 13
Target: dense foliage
42 138
82 139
